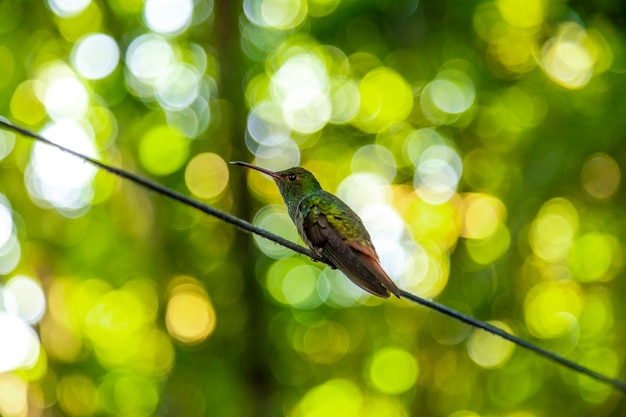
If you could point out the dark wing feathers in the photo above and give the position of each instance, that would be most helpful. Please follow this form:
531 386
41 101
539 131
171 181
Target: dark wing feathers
369 258
333 230
316 232
335 249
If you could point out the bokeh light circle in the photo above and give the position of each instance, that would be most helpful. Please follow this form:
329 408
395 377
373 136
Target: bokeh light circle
276 14
190 316
180 88
300 286
522 14
554 229
453 92
552 309
301 87
26 106
6 224
7 142
95 56
445 98
66 98
283 14
149 58
345 100
567 58
57 177
386 98
362 189
206 175
168 16
483 214
600 176
324 341
568 63
23 351
30 302
278 157
10 254
593 256
393 371
77 395
490 351
334 398
319 8
276 220
163 151
438 173
265 125
68 8
375 159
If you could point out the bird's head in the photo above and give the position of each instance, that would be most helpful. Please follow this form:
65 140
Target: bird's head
293 183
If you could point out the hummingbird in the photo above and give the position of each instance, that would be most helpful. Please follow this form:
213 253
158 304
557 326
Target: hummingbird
330 228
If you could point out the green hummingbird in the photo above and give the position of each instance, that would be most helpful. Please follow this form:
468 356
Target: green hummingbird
331 229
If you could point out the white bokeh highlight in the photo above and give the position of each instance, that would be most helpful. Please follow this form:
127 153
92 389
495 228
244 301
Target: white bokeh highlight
57 178
68 8
95 56
168 16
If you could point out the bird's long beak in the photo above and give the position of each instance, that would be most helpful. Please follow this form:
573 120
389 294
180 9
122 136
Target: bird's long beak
263 170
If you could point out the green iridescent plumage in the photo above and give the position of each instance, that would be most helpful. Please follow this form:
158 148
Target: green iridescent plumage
332 229
338 214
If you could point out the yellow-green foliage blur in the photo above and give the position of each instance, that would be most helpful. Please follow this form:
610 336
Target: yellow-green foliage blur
481 142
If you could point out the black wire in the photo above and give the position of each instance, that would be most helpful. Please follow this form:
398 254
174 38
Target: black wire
248 227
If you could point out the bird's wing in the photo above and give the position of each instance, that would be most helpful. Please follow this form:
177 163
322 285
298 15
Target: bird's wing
331 228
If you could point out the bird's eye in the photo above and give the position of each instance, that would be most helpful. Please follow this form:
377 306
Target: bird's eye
292 177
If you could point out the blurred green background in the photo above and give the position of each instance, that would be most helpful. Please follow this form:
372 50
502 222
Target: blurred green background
480 141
